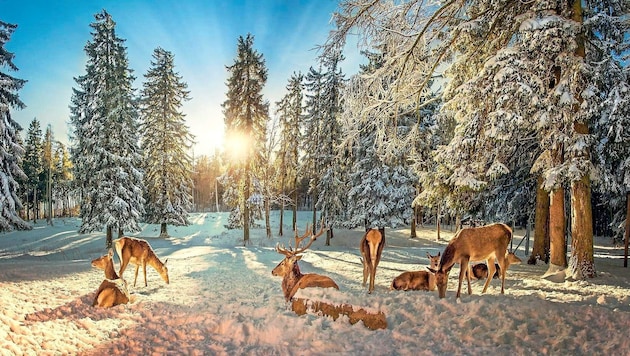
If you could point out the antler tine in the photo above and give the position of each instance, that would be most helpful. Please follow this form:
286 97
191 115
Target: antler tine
282 250
309 231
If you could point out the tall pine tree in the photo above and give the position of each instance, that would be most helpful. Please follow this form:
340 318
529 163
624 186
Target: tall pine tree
246 115
33 167
106 151
11 150
166 143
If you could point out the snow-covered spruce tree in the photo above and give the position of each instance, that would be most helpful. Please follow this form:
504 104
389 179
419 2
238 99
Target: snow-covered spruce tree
492 36
290 111
49 172
62 191
312 133
246 115
33 167
11 150
105 151
332 183
166 142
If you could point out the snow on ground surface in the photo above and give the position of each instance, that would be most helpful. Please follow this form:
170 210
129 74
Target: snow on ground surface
223 300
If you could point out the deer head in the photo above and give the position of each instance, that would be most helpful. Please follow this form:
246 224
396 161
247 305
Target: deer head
292 254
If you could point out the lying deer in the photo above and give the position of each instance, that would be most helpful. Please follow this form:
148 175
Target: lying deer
474 244
371 249
288 269
113 290
418 280
480 270
140 253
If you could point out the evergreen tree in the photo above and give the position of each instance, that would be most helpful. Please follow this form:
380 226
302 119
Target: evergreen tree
33 167
166 143
63 178
518 69
48 172
106 152
11 151
290 112
246 115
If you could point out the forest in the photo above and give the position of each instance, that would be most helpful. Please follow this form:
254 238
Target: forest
492 111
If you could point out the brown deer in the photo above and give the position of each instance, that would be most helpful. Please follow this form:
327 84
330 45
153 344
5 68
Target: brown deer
140 253
288 269
474 244
480 270
418 280
371 249
113 290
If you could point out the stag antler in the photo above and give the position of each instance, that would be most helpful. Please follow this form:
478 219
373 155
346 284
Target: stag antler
298 240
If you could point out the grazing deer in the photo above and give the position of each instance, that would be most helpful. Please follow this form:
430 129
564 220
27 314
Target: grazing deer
139 252
480 270
474 244
288 269
113 290
371 248
418 280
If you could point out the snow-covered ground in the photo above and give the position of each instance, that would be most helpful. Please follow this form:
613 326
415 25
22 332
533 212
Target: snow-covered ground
223 300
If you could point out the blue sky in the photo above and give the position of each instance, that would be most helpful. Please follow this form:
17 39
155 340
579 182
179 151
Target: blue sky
202 34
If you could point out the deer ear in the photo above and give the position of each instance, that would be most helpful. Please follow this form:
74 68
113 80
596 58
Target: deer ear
298 257
165 261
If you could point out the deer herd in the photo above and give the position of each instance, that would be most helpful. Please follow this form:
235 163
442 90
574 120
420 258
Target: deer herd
487 244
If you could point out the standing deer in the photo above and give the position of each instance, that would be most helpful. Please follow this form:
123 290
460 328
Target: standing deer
113 290
418 280
371 248
288 269
474 244
480 270
139 252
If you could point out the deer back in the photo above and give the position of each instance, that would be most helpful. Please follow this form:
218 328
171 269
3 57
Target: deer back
111 293
372 246
140 253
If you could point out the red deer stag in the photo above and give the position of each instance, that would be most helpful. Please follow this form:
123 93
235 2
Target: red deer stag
474 244
288 269
480 270
371 248
140 253
418 280
113 290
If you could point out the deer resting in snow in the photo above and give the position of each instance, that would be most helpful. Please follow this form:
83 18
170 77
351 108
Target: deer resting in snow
288 269
371 249
140 253
480 270
418 280
487 243
113 290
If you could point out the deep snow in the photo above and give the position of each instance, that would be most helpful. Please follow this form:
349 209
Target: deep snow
223 300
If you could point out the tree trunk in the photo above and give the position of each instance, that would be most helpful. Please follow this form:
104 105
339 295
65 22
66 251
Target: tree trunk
163 232
329 235
625 253
581 262
413 223
558 256
295 205
281 219
437 222
35 205
108 238
314 208
267 218
246 209
541 226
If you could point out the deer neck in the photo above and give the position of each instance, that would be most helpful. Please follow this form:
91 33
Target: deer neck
153 261
110 273
291 278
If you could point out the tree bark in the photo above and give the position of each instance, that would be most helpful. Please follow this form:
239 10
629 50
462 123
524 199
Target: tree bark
246 208
581 262
413 222
108 237
437 222
557 250
163 232
625 253
541 226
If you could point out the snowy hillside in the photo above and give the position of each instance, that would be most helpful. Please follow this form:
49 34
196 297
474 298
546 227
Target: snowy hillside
223 300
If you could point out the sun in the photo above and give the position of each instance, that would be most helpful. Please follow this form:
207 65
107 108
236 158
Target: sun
237 145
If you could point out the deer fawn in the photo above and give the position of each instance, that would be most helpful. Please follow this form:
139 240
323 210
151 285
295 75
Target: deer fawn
288 269
371 248
480 270
139 252
113 290
418 280
474 244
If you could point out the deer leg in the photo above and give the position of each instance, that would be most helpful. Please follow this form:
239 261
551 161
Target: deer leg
463 267
144 269
491 270
136 276
468 274
365 271
123 266
372 275
503 265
